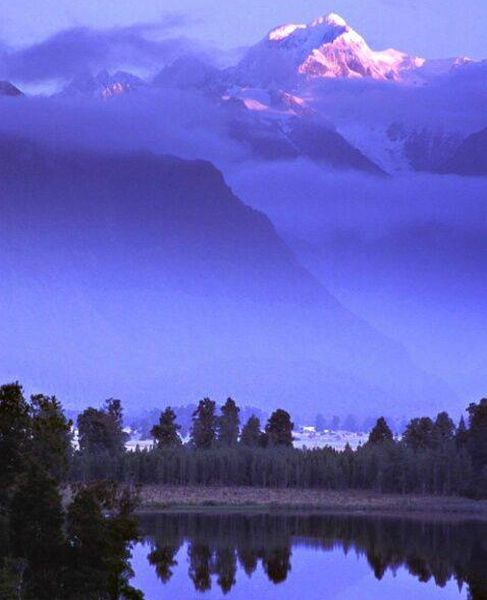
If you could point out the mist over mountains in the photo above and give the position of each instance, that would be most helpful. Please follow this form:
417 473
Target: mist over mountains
146 277
130 268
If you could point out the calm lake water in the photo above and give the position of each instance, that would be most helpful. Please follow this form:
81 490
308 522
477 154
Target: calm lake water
283 556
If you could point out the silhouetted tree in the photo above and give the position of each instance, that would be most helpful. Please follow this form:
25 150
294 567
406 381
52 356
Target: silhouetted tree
101 441
419 433
443 430
380 433
251 433
36 532
477 434
101 430
461 436
166 434
15 435
99 528
203 431
228 424
279 429
51 435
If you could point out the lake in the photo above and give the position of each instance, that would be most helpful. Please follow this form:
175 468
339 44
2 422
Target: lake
277 556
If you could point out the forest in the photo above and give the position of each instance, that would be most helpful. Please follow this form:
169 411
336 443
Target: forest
68 492
433 456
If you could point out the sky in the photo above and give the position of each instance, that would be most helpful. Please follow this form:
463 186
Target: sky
430 28
402 254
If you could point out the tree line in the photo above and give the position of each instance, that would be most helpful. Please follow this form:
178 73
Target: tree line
433 456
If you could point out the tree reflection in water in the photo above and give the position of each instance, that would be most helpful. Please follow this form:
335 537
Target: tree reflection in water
219 544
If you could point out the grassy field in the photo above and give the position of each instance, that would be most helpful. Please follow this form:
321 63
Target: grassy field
235 498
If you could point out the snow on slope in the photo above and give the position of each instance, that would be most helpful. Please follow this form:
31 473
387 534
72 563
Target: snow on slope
326 48
103 85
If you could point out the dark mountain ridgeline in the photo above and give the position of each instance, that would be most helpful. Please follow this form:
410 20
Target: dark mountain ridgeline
470 158
8 89
143 276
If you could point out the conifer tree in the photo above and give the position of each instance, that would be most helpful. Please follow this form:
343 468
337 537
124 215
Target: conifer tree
419 434
461 436
228 424
279 429
15 435
477 435
203 430
166 434
36 531
443 430
251 433
51 435
101 430
380 433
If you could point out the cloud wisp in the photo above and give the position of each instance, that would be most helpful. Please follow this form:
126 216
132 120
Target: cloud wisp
81 49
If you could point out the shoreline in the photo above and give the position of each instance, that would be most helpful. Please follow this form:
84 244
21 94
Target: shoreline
211 499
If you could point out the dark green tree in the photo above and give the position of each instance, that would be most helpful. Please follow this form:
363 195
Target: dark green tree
279 429
166 434
203 430
100 527
36 532
251 433
228 424
419 434
477 434
15 435
114 411
461 436
380 432
51 435
443 430
101 430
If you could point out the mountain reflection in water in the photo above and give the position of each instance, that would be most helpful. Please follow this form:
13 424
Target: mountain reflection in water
211 549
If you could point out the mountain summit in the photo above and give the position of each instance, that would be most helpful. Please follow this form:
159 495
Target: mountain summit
325 48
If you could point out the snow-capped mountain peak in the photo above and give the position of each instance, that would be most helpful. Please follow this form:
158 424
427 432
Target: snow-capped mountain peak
325 48
283 31
331 19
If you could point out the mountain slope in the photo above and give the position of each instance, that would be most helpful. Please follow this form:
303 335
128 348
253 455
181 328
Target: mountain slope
297 136
8 89
103 85
470 157
143 276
